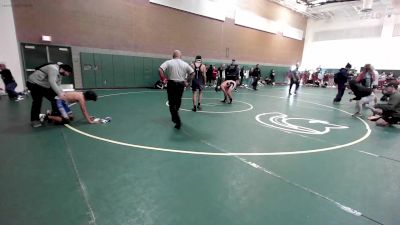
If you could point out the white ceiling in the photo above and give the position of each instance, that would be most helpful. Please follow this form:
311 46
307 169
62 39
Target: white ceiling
339 10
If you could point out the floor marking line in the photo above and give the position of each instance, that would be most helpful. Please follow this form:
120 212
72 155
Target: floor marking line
211 112
81 183
292 183
368 153
350 149
230 154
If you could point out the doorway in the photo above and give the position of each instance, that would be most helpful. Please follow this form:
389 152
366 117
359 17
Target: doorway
34 55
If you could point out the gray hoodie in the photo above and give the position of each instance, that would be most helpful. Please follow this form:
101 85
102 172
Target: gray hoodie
47 77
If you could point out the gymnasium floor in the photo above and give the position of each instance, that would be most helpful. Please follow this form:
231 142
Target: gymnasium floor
265 159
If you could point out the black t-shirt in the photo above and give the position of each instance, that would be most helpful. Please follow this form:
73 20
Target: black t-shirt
232 72
7 77
209 72
256 73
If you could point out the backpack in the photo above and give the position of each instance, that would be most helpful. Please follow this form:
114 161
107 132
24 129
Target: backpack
336 77
43 65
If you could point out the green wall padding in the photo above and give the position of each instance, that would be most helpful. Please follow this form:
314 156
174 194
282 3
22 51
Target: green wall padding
119 71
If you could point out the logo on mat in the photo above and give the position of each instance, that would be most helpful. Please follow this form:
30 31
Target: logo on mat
297 125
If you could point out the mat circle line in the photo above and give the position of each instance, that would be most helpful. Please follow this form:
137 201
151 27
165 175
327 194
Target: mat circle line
218 112
366 135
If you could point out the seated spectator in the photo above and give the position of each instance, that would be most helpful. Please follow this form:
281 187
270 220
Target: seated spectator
390 112
10 84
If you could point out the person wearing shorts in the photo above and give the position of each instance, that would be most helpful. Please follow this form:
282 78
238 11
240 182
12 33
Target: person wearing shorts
198 82
227 87
63 114
363 96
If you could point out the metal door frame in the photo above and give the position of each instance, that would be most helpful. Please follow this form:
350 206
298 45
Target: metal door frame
47 52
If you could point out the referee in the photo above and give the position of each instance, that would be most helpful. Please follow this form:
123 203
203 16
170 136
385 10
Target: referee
175 71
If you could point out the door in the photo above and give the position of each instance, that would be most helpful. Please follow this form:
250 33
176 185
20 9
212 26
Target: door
33 56
138 79
148 80
88 70
104 70
123 71
61 55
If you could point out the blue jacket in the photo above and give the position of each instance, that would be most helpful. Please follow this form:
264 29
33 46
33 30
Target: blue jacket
341 76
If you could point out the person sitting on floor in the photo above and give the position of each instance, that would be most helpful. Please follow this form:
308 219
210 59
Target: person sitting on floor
390 112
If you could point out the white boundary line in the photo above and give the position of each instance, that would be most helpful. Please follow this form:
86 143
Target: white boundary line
211 112
366 135
81 185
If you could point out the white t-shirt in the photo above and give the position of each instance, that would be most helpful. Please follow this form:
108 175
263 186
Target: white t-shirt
176 69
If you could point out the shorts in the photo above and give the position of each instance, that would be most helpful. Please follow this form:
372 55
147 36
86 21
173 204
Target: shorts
197 85
63 109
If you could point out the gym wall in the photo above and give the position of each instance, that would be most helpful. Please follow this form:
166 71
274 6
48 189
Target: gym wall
139 26
9 51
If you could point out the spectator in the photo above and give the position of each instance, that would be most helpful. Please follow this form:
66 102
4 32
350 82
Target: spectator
340 79
10 84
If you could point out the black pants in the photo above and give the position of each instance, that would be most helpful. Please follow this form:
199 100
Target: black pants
175 92
255 83
10 89
341 89
297 86
38 92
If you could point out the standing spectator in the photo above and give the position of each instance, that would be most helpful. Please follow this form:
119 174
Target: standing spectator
256 76
367 76
198 81
209 73
214 76
46 82
294 77
340 79
272 76
175 71
232 72
221 72
241 75
250 77
375 82
9 83
221 76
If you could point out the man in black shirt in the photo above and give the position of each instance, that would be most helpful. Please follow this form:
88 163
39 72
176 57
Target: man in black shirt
340 79
232 71
256 76
221 70
9 83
